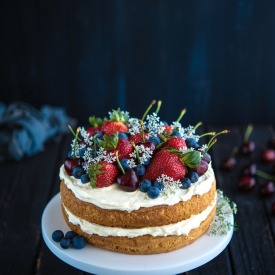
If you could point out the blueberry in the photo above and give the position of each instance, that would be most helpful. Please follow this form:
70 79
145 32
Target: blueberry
57 235
77 172
185 183
140 169
70 154
78 242
85 178
97 135
193 176
153 192
147 161
192 143
159 185
65 243
145 185
155 139
176 134
124 164
122 135
165 123
70 235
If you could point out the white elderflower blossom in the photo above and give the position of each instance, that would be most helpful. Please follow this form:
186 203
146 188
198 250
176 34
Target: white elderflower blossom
170 185
153 125
88 139
131 163
134 126
178 127
190 132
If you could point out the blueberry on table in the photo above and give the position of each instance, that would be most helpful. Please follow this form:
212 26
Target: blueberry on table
70 234
78 242
65 243
57 235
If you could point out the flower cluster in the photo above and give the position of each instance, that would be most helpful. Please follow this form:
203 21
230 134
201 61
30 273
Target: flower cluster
141 155
170 185
134 126
190 132
153 125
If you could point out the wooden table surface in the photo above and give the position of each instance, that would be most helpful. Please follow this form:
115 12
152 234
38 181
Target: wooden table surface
27 186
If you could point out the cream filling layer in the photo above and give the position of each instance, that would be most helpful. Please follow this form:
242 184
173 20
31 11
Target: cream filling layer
176 229
113 197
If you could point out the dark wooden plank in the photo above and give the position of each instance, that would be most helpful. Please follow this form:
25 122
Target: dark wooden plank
26 193
252 246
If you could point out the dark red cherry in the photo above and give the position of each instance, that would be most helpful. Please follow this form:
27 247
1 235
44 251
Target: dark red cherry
267 189
229 163
246 183
71 163
128 181
202 168
268 155
249 170
248 147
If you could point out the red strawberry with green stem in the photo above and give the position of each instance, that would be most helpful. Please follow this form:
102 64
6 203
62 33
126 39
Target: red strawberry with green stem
102 174
174 142
171 163
116 124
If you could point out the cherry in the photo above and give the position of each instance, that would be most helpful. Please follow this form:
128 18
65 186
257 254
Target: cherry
246 183
202 168
249 170
128 181
267 189
248 147
229 163
148 144
207 157
268 155
71 163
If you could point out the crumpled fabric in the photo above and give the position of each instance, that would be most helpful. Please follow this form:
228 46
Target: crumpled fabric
24 130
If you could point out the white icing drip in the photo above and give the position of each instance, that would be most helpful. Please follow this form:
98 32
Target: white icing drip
113 197
176 229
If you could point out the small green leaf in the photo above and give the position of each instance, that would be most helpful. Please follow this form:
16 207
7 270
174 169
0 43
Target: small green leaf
109 142
119 116
95 121
191 159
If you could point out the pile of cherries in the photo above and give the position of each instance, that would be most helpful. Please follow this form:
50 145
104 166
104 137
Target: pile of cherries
250 172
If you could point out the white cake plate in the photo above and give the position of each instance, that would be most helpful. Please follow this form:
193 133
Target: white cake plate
99 261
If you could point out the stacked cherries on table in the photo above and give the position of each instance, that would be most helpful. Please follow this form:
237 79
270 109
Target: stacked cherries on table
250 172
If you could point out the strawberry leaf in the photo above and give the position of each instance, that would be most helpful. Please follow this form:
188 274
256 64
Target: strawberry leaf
191 159
109 142
119 116
95 121
93 171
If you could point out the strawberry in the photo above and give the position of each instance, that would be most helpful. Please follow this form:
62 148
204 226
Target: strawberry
116 123
112 127
137 138
96 123
91 130
165 162
102 174
174 142
124 148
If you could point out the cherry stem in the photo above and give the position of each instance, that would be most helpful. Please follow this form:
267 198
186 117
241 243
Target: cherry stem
197 125
75 141
208 134
264 175
148 109
72 131
248 132
183 111
210 145
135 150
158 107
220 133
119 164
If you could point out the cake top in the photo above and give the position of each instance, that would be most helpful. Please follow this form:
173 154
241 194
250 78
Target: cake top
139 153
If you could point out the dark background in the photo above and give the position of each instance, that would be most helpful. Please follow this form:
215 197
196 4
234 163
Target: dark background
216 58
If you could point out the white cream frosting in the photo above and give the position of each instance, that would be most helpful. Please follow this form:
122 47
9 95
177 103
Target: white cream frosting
113 197
176 229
